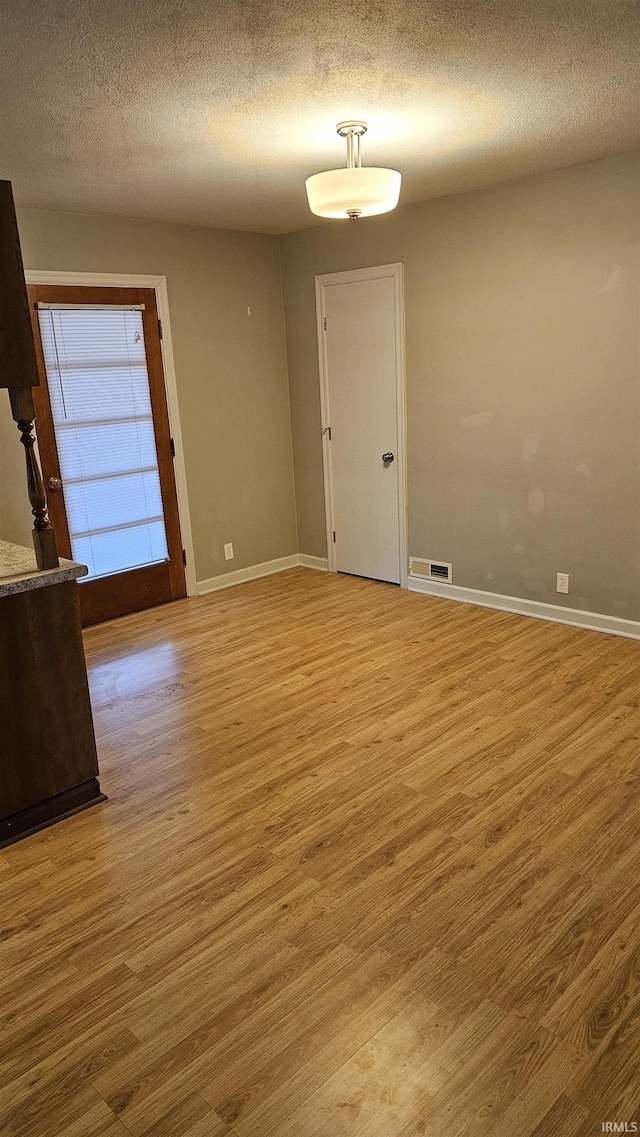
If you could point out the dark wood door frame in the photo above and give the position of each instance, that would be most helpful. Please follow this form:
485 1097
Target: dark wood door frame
136 589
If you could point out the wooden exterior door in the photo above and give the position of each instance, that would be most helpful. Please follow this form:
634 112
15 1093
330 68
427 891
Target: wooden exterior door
105 444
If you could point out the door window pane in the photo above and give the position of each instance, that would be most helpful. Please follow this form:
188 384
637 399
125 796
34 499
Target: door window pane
99 392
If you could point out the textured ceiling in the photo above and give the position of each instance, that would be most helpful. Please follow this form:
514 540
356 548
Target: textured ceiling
213 112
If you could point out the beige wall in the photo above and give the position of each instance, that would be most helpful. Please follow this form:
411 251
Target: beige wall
522 319
231 374
523 391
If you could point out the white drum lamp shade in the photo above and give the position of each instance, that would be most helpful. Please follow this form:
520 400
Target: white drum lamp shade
356 190
364 190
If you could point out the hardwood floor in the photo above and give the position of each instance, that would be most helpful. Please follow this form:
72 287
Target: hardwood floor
369 867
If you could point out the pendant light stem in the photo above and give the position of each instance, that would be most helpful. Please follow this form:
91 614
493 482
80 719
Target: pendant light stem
353 130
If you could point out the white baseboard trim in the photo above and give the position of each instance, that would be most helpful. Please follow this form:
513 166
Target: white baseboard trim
253 572
555 613
319 563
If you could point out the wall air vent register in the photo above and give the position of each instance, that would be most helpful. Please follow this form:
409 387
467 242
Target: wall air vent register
432 570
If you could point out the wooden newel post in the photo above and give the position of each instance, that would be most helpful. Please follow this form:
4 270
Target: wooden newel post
44 538
19 370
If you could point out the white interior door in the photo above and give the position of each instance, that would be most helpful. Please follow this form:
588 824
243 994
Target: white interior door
362 363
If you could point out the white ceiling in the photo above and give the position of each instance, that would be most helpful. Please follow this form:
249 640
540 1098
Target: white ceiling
213 112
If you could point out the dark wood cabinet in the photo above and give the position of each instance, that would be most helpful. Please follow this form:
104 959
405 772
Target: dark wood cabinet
48 760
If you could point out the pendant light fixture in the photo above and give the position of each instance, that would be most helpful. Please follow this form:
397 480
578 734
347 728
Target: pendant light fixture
356 190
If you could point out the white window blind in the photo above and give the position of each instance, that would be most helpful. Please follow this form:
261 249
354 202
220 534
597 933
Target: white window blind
99 391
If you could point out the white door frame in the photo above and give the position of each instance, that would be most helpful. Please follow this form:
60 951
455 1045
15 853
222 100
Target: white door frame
159 284
396 272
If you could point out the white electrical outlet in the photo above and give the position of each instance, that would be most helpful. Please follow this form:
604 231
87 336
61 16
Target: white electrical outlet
228 552
562 582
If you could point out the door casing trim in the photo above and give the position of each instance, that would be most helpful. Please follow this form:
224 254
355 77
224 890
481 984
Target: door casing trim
352 276
159 284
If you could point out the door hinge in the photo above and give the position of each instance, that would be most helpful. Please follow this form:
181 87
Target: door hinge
334 536
173 447
325 323
184 557
160 328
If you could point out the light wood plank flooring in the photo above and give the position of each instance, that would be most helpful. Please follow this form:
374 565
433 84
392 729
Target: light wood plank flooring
369 867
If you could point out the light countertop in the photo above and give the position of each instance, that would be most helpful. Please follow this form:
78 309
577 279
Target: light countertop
19 571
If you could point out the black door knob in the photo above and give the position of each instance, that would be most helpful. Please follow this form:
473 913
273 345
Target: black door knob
388 457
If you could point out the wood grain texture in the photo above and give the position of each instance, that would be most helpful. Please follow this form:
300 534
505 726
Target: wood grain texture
47 742
369 866
17 354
